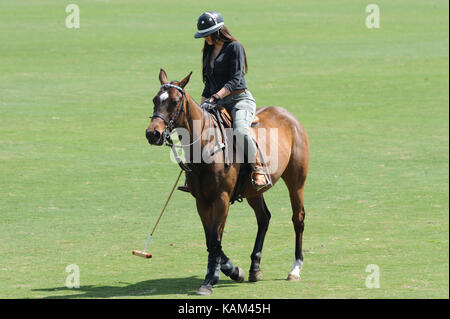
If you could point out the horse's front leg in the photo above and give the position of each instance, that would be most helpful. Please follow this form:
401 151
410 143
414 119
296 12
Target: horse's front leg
213 217
234 272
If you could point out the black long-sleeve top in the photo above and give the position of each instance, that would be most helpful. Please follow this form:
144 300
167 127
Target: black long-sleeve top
228 69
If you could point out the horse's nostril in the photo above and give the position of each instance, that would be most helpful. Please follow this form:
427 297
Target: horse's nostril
147 134
152 136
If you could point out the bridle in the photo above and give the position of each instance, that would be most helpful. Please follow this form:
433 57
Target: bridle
172 122
176 116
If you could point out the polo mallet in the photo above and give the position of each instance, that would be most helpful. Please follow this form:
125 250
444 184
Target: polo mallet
143 253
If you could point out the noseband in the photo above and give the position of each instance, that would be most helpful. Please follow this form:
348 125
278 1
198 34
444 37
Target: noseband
176 116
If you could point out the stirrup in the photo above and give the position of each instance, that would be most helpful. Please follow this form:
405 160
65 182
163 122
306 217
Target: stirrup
184 188
260 187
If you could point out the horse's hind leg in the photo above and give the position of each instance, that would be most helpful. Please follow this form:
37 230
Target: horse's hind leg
263 217
295 177
298 219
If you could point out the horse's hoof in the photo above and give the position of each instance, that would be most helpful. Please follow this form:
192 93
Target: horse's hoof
238 275
204 290
293 277
255 276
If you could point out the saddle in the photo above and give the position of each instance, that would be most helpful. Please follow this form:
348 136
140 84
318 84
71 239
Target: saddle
227 121
223 120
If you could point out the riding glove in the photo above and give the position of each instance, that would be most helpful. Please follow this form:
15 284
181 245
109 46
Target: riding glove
209 106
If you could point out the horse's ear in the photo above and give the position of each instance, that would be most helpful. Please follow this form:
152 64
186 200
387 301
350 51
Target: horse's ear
185 80
163 77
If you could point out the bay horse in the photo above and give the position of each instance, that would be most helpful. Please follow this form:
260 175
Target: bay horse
212 184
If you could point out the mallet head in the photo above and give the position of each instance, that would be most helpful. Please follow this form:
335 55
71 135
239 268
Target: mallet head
141 254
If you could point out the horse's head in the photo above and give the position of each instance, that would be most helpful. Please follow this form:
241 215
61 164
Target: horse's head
168 109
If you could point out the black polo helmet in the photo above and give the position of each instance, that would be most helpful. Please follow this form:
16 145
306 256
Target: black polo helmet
208 23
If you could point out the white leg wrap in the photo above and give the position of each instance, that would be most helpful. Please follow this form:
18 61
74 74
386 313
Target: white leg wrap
296 266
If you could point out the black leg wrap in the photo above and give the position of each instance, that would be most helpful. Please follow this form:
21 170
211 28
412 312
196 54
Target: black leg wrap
213 274
235 274
256 259
227 267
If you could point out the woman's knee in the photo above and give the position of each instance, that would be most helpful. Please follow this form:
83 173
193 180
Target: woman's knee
242 118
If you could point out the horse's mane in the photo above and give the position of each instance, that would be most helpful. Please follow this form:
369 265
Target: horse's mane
195 102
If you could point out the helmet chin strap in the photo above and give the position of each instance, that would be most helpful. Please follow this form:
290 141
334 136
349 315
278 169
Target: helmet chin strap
218 36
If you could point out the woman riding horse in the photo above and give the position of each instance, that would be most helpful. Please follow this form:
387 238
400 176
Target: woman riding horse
213 184
224 65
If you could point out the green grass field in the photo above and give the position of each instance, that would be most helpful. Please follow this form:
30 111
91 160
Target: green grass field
79 183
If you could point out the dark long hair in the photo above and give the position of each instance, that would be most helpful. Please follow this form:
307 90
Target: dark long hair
223 35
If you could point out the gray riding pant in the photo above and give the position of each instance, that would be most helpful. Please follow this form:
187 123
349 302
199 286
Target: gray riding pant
242 108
